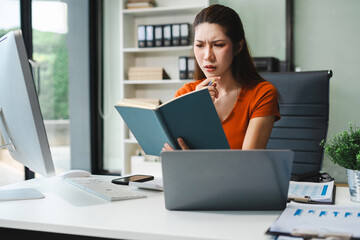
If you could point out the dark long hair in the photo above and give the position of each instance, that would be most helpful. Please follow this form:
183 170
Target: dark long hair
243 68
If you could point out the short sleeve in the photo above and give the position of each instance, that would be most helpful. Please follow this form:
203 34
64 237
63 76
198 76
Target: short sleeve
186 88
265 102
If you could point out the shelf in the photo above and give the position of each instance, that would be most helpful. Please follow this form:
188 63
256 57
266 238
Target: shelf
142 82
164 11
122 38
158 49
131 141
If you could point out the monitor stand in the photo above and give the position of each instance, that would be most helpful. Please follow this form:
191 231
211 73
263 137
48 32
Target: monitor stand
20 194
14 194
8 143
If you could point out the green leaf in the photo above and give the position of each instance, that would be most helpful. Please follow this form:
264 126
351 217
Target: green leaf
344 148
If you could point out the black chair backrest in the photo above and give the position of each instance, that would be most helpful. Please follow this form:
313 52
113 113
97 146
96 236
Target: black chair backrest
304 109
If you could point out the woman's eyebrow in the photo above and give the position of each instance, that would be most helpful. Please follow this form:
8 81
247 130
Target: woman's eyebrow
218 40
213 41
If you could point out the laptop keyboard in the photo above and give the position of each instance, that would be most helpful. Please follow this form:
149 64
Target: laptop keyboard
102 187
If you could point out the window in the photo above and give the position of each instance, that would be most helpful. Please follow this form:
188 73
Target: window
50 51
60 39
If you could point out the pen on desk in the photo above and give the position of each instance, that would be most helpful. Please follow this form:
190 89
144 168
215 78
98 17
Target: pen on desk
300 199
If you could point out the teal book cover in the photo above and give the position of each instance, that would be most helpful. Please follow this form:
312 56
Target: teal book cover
191 116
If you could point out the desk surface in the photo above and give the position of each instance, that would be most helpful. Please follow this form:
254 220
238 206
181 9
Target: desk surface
70 210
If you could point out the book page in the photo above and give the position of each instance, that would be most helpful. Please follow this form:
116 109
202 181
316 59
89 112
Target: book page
139 103
171 100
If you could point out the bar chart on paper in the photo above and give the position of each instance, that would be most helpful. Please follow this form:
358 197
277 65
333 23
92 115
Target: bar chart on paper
302 219
321 192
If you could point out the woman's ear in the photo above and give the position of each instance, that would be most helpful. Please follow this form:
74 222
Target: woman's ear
239 47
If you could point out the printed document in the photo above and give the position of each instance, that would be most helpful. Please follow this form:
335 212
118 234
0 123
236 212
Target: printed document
319 192
323 219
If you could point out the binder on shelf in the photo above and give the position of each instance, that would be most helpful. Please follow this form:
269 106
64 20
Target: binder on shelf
190 67
141 36
167 35
185 34
164 35
175 34
158 35
183 73
149 36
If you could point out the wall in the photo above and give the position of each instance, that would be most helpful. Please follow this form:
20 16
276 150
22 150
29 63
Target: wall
79 93
264 24
112 120
327 36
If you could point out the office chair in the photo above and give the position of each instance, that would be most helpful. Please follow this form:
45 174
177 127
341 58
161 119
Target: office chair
304 109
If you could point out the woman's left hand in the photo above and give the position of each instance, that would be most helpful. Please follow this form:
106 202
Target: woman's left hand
212 87
181 142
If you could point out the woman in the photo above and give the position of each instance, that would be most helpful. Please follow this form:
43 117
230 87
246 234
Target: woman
247 105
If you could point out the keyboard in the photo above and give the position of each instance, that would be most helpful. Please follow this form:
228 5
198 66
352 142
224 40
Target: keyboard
104 188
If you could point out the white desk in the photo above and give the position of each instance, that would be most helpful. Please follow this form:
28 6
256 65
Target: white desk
69 210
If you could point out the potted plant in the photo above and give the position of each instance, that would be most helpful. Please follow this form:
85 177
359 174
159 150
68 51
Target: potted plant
344 149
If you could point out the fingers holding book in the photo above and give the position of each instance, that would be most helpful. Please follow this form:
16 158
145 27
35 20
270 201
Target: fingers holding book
181 142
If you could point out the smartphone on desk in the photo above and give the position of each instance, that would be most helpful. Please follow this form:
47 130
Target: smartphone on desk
132 178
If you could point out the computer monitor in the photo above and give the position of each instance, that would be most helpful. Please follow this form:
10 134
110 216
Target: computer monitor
21 121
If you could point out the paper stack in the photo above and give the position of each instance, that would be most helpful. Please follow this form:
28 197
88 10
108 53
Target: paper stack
133 4
147 73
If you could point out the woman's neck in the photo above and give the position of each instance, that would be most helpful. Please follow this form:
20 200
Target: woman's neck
227 83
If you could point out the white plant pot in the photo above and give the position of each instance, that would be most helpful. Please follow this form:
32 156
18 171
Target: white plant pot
354 184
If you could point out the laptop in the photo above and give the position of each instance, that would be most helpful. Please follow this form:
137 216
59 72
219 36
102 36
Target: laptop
226 179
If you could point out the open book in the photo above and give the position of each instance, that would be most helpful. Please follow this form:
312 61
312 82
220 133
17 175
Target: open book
191 116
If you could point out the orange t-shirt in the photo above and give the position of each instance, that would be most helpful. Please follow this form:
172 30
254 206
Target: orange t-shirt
256 100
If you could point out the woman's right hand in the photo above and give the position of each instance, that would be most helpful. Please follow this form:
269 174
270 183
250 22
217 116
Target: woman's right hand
181 143
212 88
